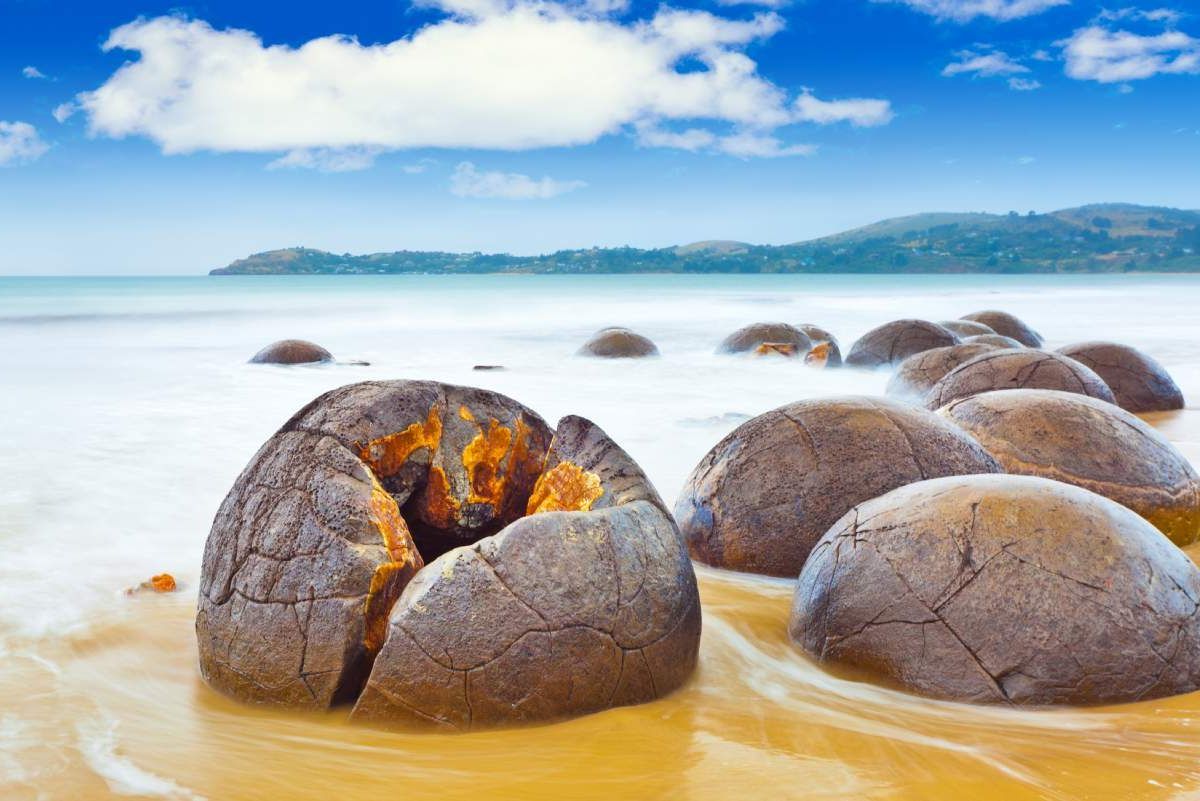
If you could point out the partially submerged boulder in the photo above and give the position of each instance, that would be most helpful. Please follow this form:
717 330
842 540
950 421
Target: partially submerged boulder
618 343
340 510
997 340
1017 369
892 343
917 374
292 351
966 328
1138 382
1007 325
752 337
1088 443
819 336
762 497
1003 590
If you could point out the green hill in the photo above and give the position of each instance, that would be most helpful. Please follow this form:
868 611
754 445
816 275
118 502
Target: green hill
1102 238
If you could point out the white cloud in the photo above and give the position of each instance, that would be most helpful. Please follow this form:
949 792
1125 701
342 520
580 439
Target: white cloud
967 10
986 65
1098 54
858 111
764 3
760 146
1024 84
1026 160
691 139
64 111
32 72
493 74
1165 15
467 181
20 143
327 159
1042 55
418 167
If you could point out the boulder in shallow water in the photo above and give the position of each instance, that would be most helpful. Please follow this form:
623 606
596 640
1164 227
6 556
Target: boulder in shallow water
1007 325
966 328
750 338
1017 369
892 343
340 510
917 374
1088 443
618 343
292 351
997 340
762 497
1004 590
1138 382
819 336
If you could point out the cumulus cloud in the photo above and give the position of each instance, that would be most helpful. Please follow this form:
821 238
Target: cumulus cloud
467 181
20 143
1165 15
967 10
33 72
327 159
492 74
987 65
63 112
760 146
1095 53
858 111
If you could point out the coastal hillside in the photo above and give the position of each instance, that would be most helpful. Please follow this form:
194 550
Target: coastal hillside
1102 238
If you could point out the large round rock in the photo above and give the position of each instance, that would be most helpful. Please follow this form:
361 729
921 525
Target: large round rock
998 340
762 497
1088 443
1138 382
894 342
966 328
819 336
1005 590
752 337
292 351
1017 369
917 374
618 343
1007 325
340 509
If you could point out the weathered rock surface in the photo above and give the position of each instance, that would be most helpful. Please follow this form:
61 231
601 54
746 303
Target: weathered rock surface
1007 325
291 351
750 338
763 496
998 340
894 342
587 603
1138 382
917 374
819 336
1088 443
1017 369
618 343
966 328
339 511
1005 590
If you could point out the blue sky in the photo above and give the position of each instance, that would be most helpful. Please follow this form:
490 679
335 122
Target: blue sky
167 139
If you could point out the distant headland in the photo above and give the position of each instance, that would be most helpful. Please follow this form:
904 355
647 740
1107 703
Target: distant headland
1102 238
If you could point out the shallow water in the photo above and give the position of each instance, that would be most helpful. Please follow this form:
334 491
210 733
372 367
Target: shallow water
127 410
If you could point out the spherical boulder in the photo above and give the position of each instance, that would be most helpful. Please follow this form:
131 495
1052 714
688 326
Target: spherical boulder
291 351
894 342
917 374
752 337
618 343
315 586
1017 369
996 340
761 498
966 328
1139 383
1088 443
1007 325
1005 590
819 336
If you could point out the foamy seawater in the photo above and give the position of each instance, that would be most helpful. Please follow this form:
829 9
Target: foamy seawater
128 409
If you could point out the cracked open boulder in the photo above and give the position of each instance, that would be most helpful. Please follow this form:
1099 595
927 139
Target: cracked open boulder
1091 444
763 496
767 339
1002 589
1138 382
893 342
556 584
1017 369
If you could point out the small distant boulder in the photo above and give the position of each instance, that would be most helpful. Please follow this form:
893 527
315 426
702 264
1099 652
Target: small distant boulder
292 351
486 368
1139 383
917 374
618 343
1007 325
752 337
1017 369
819 336
966 328
894 342
998 340
1005 590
